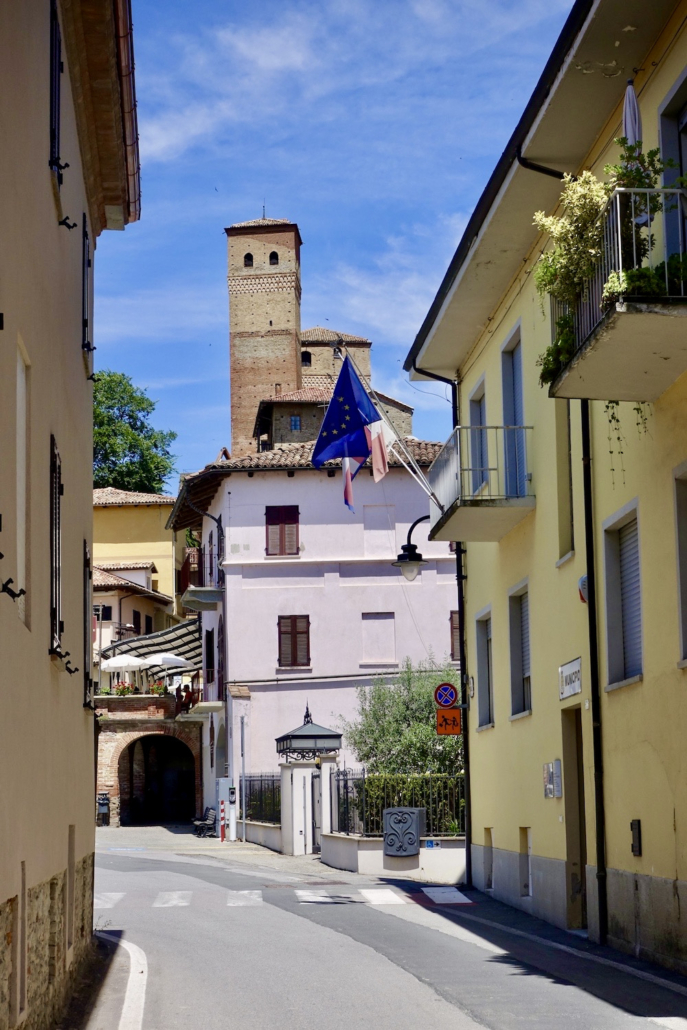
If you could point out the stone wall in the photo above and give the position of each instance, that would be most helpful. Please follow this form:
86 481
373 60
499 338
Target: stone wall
51 966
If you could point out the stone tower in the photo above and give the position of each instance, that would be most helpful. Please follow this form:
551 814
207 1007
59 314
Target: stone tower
264 319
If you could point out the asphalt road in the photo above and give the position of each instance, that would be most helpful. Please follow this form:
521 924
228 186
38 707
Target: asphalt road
217 943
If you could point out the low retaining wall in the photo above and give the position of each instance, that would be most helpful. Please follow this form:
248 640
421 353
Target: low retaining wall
267 834
443 861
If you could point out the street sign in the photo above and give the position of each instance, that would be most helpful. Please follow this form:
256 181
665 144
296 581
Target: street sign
446 695
449 723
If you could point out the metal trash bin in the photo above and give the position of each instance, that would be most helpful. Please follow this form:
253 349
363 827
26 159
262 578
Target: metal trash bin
103 809
403 828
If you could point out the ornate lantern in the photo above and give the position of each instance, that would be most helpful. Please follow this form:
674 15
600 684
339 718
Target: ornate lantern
308 741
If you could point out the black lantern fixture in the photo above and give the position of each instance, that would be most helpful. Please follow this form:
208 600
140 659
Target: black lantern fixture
410 560
308 741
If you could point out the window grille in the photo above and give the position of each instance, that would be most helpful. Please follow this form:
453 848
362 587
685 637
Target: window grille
294 640
56 492
281 527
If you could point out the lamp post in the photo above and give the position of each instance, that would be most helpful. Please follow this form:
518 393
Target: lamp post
410 561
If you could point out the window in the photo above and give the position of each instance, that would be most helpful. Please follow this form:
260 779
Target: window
379 637
520 689
485 684
87 622
209 655
294 640
247 260
136 620
56 492
106 615
148 624
479 456
623 598
274 258
220 658
56 69
281 526
306 358
566 542
513 416
86 345
295 423
455 637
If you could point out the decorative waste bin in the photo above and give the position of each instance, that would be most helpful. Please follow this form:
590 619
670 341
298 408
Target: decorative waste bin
403 828
103 809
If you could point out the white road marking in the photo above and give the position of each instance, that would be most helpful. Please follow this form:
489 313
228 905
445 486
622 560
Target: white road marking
446 896
172 899
314 897
237 898
381 896
135 997
106 899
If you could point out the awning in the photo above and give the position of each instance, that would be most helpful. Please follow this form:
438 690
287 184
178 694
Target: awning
183 639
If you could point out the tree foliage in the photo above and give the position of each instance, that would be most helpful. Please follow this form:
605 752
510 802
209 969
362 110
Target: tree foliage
395 730
128 453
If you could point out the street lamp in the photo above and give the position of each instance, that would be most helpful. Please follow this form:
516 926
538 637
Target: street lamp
309 741
410 560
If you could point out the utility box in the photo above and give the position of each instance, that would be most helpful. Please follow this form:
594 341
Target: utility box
403 829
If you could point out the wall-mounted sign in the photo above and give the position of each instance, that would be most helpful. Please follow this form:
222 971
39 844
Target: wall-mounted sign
570 678
553 779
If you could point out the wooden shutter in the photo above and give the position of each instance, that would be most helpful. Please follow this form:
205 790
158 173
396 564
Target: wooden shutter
281 526
285 640
87 623
220 658
294 640
455 637
525 633
630 599
55 90
56 491
209 655
302 655
86 345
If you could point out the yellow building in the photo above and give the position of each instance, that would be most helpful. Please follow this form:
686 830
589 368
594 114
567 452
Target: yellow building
129 528
69 170
578 711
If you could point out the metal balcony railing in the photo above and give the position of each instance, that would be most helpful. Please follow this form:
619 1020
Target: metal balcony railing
200 569
482 463
643 242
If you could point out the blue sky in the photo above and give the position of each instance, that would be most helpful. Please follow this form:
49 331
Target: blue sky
372 123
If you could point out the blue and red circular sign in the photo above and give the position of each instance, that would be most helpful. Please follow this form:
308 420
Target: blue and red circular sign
446 695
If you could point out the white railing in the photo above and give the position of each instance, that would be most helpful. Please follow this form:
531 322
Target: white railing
643 242
482 464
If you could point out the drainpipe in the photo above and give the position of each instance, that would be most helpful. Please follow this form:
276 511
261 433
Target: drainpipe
460 585
599 807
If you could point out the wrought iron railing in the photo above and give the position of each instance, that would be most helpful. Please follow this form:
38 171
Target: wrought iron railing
263 798
643 243
358 801
200 569
482 463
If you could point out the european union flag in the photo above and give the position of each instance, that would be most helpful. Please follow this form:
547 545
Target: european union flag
343 431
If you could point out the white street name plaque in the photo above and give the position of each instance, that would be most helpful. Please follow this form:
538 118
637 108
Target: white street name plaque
570 678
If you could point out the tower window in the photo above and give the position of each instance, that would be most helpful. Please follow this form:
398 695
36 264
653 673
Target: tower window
295 423
306 358
247 260
274 258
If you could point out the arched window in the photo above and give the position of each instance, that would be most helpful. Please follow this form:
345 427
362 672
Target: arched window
274 258
247 260
306 358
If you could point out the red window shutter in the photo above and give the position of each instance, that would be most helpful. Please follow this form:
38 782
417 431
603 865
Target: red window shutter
302 655
281 526
273 529
285 640
455 637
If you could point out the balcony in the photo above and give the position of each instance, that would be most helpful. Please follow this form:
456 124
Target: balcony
632 346
480 478
201 581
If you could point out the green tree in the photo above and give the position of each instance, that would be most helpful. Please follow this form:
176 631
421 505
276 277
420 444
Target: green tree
395 730
128 453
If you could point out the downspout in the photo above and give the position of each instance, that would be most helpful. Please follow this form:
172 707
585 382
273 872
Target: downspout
460 581
597 743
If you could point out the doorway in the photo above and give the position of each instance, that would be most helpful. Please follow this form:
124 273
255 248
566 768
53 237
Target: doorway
575 819
156 782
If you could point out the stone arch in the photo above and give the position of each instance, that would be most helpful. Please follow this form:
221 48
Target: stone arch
121 776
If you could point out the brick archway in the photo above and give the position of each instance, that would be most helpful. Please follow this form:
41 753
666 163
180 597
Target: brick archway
120 726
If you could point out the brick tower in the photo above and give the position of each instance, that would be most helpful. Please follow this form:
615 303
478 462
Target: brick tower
264 319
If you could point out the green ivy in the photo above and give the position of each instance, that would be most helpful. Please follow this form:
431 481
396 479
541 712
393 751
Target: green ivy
559 353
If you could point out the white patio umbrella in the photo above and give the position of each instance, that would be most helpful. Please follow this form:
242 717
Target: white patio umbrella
124 663
169 661
632 119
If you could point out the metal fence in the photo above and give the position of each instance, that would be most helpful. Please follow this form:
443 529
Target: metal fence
263 798
358 801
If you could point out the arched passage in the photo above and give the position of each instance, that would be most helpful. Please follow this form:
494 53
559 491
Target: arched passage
156 781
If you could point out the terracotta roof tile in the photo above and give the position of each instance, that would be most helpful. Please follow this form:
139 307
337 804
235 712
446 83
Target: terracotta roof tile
261 221
320 335
103 580
298 455
110 495
113 566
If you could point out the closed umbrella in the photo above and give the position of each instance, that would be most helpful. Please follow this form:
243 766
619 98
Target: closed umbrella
632 119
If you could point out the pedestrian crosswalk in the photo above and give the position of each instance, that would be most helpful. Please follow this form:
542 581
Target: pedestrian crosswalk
378 896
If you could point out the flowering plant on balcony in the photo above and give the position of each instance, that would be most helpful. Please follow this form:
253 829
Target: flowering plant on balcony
122 689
